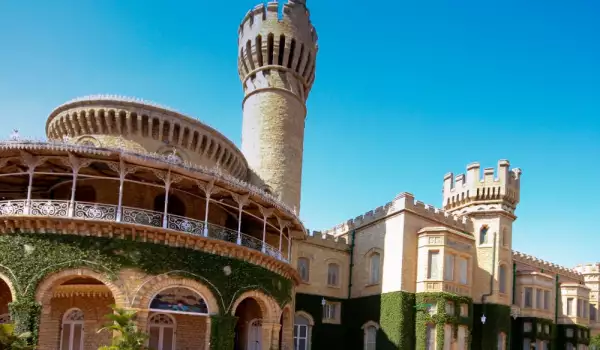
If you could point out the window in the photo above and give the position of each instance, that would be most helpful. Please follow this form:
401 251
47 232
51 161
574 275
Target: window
161 329
370 337
526 343
547 329
502 278
303 269
579 307
430 337
302 330
527 327
569 332
450 308
375 264
464 310
538 328
433 271
331 312
539 301
447 337
570 346
570 307
546 300
483 237
333 272
71 337
593 312
504 237
463 267
501 341
527 299
585 309
449 268
462 337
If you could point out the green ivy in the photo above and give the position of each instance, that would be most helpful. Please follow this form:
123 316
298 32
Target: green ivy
561 335
498 319
222 332
441 317
397 319
27 258
518 331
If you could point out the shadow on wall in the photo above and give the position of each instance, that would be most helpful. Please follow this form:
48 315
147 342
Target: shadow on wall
394 312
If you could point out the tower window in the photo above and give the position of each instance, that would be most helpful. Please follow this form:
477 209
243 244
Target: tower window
483 234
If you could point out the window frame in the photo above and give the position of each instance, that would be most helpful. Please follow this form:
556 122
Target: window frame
306 268
335 281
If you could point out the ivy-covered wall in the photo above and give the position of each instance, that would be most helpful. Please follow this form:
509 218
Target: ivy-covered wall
29 257
394 312
497 320
581 335
541 329
426 301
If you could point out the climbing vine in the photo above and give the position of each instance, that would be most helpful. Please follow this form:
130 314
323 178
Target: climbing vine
434 308
27 258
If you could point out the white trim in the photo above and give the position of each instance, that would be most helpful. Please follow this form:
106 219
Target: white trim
71 324
161 329
180 312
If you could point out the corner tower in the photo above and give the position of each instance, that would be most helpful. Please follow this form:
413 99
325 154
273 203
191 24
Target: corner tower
276 63
490 202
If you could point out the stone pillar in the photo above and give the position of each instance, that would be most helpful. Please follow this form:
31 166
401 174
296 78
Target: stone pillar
222 332
287 335
49 330
274 337
267 335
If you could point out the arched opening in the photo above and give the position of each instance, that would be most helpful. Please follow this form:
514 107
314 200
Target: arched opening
303 323
248 330
78 307
177 311
175 206
5 299
85 194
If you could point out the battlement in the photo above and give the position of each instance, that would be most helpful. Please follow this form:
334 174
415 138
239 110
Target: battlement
588 269
286 42
404 202
499 189
533 261
327 240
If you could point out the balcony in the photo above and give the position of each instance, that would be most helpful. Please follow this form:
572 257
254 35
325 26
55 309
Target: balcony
92 190
136 216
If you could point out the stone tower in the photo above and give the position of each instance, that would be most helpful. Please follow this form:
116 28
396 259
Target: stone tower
276 63
490 201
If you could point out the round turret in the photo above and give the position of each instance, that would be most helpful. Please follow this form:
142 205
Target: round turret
144 127
276 64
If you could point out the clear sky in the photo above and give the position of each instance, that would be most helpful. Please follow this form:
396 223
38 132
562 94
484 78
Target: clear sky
405 92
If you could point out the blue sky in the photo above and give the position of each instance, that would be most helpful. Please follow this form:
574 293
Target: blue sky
405 92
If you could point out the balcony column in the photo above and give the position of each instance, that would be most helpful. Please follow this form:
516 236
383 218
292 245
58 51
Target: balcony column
266 213
123 170
168 179
208 189
31 162
76 164
241 200
289 258
282 225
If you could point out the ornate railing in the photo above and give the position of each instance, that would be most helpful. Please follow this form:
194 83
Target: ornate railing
108 212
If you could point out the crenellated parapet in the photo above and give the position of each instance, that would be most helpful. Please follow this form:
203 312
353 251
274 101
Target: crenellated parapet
547 266
327 240
277 50
405 202
494 191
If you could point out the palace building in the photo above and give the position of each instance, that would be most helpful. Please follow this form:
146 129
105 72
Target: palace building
133 204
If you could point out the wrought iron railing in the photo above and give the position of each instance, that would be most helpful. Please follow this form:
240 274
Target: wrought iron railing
108 212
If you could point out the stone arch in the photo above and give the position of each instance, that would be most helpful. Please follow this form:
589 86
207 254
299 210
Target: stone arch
306 315
150 288
43 292
269 309
370 324
11 286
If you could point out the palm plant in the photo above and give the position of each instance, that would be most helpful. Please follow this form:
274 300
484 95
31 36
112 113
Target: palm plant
11 341
129 337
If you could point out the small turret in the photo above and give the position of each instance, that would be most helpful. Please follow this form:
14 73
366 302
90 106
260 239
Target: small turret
470 193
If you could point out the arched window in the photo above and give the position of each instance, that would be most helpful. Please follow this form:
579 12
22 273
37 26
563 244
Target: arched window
302 331
161 331
179 300
303 269
483 234
71 337
502 278
333 273
370 335
374 268
501 341
430 337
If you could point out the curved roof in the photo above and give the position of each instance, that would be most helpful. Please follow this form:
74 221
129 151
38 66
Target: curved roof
205 145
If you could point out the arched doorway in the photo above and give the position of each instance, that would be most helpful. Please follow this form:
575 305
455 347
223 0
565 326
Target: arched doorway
248 330
77 307
177 319
5 299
